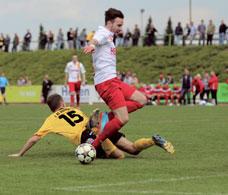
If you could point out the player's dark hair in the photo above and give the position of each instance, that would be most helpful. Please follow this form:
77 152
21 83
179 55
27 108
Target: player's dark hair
54 101
112 13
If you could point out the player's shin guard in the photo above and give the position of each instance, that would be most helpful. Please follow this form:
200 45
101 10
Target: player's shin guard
110 128
143 143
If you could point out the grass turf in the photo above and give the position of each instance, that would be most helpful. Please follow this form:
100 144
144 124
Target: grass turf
199 166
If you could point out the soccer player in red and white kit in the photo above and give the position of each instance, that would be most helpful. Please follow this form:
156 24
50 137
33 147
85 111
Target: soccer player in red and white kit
74 77
119 96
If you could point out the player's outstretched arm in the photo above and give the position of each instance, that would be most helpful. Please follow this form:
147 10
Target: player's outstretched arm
31 141
88 49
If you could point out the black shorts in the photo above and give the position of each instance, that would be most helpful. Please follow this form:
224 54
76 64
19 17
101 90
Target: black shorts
88 136
3 90
115 138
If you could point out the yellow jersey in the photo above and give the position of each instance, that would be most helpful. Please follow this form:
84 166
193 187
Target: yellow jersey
68 122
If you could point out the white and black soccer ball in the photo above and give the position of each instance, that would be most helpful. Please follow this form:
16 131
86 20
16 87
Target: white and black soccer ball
85 153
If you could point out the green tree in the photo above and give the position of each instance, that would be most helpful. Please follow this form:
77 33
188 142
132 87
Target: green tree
169 36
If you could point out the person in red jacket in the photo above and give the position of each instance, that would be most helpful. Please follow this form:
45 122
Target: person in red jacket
213 84
199 87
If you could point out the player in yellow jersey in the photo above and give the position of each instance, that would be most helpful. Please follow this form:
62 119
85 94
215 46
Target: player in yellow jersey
78 128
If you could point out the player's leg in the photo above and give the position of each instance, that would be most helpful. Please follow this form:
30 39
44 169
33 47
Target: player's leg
114 125
134 98
216 101
77 90
189 96
72 92
3 91
158 98
141 144
113 97
136 147
166 99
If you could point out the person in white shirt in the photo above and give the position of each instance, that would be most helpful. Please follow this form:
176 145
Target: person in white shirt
74 77
119 96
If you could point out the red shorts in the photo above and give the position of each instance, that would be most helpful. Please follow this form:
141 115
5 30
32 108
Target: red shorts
115 92
74 86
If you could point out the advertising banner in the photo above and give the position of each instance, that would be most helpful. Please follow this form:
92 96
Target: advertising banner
32 94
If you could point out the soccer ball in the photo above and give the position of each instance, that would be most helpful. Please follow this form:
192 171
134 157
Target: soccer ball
85 153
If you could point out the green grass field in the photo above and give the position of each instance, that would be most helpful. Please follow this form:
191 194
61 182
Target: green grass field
199 166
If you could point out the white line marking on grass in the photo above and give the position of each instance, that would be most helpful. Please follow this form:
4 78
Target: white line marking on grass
143 192
92 188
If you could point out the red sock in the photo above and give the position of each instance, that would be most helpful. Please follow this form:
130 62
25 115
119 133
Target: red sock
72 100
110 115
78 99
110 128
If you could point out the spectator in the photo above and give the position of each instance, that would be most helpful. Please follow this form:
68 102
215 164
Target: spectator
202 31
3 83
178 33
46 88
186 34
60 39
1 41
27 81
27 41
16 42
50 40
222 32
127 38
70 38
119 39
186 87
76 41
89 36
135 80
123 74
206 86
151 38
198 88
43 40
21 81
135 36
210 32
213 84
7 43
193 32
128 78
161 79
119 75
82 38
169 79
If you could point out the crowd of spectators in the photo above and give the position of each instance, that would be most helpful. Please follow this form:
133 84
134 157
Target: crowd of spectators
24 81
75 39
191 90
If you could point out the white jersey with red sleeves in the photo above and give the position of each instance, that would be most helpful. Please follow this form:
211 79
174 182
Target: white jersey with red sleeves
104 56
74 71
